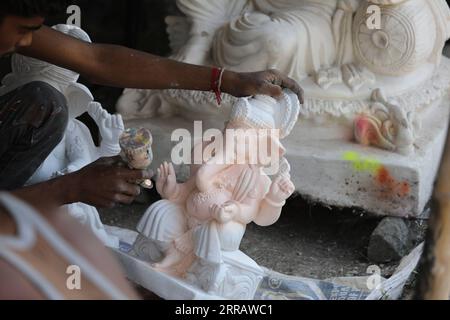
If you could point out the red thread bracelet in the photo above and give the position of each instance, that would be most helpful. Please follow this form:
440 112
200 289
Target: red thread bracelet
216 83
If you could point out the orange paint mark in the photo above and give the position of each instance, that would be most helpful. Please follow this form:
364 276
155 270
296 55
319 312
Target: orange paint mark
383 175
389 185
405 189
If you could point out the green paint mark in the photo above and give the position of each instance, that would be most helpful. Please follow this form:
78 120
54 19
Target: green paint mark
362 164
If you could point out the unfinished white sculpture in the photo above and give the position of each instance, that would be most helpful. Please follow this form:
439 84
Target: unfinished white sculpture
77 149
340 59
196 231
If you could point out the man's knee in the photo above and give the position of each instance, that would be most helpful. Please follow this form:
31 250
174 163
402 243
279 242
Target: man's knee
45 108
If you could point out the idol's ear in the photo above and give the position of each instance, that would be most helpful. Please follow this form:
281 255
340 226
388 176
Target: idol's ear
284 168
275 146
289 111
281 149
78 99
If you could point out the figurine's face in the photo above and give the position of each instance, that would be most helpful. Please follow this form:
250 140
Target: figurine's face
136 145
139 160
17 32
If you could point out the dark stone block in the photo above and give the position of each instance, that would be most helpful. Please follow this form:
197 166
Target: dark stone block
390 241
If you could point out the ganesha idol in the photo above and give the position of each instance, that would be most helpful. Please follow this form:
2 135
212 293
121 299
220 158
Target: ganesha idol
196 231
373 73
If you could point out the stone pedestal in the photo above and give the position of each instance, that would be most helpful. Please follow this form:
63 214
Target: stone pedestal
346 174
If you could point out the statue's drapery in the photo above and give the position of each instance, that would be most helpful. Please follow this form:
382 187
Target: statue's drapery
298 37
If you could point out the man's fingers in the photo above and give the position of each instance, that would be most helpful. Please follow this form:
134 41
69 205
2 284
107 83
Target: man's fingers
111 161
292 85
129 174
123 198
284 81
125 194
116 161
105 203
130 189
271 90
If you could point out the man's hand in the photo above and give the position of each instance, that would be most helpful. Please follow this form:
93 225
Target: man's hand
269 82
106 183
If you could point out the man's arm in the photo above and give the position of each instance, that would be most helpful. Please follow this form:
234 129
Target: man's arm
50 194
102 184
118 66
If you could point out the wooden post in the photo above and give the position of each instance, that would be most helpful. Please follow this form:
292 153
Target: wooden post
434 274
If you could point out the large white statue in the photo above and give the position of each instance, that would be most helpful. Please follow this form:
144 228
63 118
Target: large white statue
196 231
373 75
77 148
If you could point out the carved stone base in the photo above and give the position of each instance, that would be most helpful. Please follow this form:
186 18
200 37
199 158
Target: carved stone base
237 279
346 174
